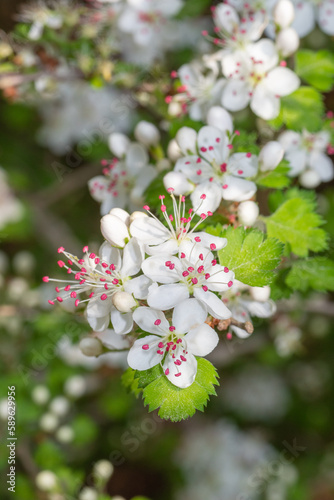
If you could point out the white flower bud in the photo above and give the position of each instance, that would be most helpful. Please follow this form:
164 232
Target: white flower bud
287 41
174 108
65 434
40 394
88 494
91 346
49 422
75 386
24 262
220 118
186 138
136 215
270 156
248 212
177 181
173 150
16 288
310 179
59 406
121 214
261 294
46 480
123 301
284 13
104 469
3 409
118 144
147 133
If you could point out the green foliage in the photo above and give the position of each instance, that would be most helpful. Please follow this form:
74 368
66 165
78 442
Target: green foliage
85 430
130 382
252 257
177 404
246 142
302 109
316 68
277 178
316 273
194 8
296 223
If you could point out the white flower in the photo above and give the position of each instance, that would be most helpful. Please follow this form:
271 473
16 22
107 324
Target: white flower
91 346
65 434
253 77
59 406
284 13
40 394
46 480
308 12
115 227
245 301
195 273
158 238
101 277
199 90
217 174
124 181
173 346
103 469
306 154
248 212
147 133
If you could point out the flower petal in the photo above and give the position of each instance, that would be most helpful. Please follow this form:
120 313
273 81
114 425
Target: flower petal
236 95
136 158
149 230
323 165
213 304
264 103
98 187
260 309
138 287
188 314
326 17
144 359
145 317
208 239
166 297
99 324
297 159
219 279
202 340
212 144
110 255
289 140
155 268
170 246
121 322
133 256
213 195
226 17
194 169
238 189
114 230
282 81
304 21
188 370
241 165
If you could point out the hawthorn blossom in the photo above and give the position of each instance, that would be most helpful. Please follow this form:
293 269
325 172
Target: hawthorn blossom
103 278
124 180
215 172
245 301
254 78
306 154
196 272
199 90
308 13
42 15
173 346
176 232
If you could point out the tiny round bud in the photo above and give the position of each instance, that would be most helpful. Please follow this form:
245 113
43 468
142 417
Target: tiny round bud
75 386
309 179
118 144
248 212
173 150
40 394
284 13
178 182
59 406
65 434
49 422
24 263
270 156
147 133
174 108
137 215
104 469
220 118
287 41
88 494
123 301
186 138
260 294
46 480
91 346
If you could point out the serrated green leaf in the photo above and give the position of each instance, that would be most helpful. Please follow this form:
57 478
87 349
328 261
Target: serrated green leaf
277 178
246 142
279 288
316 273
316 68
178 404
252 257
296 223
130 382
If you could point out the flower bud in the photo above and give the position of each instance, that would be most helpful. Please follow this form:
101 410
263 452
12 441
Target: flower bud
147 133
309 179
40 394
248 212
174 108
118 144
284 13
75 386
287 41
177 181
173 150
136 215
46 480
114 230
220 118
88 494
59 406
103 469
270 156
65 434
24 262
261 294
121 214
91 346
186 138
123 301
49 422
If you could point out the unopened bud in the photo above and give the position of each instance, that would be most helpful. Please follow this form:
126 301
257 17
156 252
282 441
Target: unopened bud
309 179
46 480
147 133
186 139
91 346
103 469
284 13
137 215
118 144
287 41
270 156
248 212
123 301
173 150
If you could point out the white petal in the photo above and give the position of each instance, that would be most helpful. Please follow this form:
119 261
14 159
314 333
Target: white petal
236 95
149 230
326 17
208 239
188 314
136 158
121 322
110 255
212 144
170 246
186 138
238 189
323 165
98 308
155 268
261 309
213 193
188 370
284 13
99 324
240 332
138 286
188 76
289 140
220 118
194 169
264 103
118 144
166 297
178 181
214 304
114 230
219 279
270 156
264 51
297 159
133 256
304 21
121 214
144 359
145 317
226 17
287 41
282 81
202 340
240 164
98 187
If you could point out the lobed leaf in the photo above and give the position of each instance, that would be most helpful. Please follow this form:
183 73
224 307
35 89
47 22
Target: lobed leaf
316 273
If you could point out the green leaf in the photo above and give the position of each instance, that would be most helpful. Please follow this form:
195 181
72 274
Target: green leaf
194 8
302 109
246 142
316 273
277 178
130 382
316 68
252 257
177 404
296 223
279 288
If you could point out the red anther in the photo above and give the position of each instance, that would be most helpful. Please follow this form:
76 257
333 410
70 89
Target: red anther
170 190
230 146
173 74
226 269
207 276
240 172
67 287
237 132
197 239
178 341
57 289
203 150
81 261
73 295
115 281
146 207
212 246
102 279
104 162
97 260
201 256
177 362
229 284
157 322
46 279
183 255
92 256
203 196
160 352
177 374
185 274
171 218
171 267
145 347
91 295
204 33
167 371
112 267
183 358
168 263
163 208
248 155
85 249
104 265
200 269
218 139
51 302
210 148
106 286
61 263
282 63
225 186
172 328
198 172
59 299
223 167
168 99
60 249
161 345
203 216
214 262
77 302
229 336
190 269
198 160
194 281
69 270
104 296
205 288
